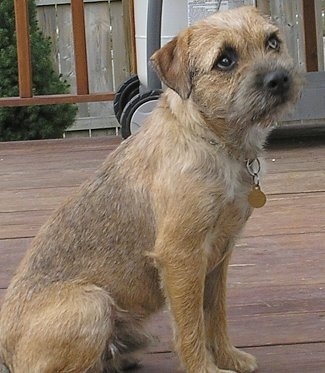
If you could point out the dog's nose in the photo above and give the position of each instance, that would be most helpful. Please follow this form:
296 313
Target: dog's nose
277 82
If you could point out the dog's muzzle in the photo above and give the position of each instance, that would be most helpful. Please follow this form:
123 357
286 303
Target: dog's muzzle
277 82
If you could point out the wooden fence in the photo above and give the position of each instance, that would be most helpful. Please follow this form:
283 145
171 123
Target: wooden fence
108 57
302 24
96 29
107 54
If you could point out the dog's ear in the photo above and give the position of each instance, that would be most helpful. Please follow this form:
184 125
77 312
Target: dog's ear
171 63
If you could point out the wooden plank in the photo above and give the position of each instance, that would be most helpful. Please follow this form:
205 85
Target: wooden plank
97 25
33 200
99 54
129 31
294 359
280 359
65 45
289 25
295 182
48 178
80 48
296 259
90 123
284 328
264 6
284 14
300 34
319 15
274 359
62 2
57 99
309 18
275 299
120 55
48 167
288 214
23 48
17 224
47 22
58 145
288 156
12 251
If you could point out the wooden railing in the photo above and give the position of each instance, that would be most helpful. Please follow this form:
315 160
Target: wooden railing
309 42
26 96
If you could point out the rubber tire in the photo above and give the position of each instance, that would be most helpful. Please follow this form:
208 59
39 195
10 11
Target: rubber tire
124 94
131 108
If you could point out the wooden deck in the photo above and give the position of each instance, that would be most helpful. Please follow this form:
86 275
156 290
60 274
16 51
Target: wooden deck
277 277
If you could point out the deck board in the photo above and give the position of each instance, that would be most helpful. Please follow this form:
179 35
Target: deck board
276 296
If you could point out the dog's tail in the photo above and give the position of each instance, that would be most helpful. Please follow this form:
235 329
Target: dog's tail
3 368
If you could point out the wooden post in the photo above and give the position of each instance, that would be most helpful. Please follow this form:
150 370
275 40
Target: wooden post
320 32
129 29
309 18
23 48
80 48
264 6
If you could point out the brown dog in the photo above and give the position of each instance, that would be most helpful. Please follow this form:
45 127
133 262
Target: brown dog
158 222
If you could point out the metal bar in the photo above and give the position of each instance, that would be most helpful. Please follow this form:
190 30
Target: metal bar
309 19
153 39
80 48
23 48
56 99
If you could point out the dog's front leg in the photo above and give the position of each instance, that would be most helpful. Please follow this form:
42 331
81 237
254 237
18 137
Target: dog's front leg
225 354
183 269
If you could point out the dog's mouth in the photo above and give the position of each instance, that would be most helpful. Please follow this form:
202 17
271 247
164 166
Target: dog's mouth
271 108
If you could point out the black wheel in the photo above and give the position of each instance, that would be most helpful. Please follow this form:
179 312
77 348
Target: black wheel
124 94
137 110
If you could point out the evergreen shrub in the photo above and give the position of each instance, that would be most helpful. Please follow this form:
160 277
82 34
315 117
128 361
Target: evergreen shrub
30 122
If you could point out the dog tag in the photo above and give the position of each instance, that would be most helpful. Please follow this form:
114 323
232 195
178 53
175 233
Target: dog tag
256 197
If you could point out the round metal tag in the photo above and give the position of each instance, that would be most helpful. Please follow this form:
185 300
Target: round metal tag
256 197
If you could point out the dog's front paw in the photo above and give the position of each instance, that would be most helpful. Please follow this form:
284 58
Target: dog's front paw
238 360
214 369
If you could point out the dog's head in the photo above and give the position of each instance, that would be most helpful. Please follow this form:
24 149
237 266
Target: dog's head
233 65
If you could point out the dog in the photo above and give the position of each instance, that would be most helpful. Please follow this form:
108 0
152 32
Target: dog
158 222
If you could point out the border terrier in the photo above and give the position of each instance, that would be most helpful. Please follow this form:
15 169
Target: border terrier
158 222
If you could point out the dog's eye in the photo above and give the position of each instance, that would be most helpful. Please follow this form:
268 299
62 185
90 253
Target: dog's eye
273 43
227 60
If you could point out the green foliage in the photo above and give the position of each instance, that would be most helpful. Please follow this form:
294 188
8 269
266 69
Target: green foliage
33 122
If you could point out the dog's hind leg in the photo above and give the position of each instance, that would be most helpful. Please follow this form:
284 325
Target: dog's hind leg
3 369
124 346
67 330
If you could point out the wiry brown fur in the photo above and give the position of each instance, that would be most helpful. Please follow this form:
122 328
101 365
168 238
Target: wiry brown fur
158 222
